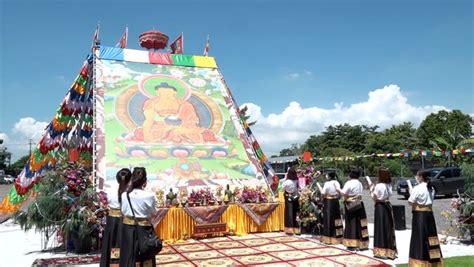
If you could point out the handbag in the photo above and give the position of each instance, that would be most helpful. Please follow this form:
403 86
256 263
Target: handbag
149 244
352 206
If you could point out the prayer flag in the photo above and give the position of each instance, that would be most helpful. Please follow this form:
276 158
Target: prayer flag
177 47
95 37
206 48
123 40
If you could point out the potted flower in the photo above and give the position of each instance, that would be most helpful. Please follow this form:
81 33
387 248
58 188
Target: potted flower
252 195
310 213
201 197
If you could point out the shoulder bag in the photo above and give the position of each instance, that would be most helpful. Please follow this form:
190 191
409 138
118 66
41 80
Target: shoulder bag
353 205
148 243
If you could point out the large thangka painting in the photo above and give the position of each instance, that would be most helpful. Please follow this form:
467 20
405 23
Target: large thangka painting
177 122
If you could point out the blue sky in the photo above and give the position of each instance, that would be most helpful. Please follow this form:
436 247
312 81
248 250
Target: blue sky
272 53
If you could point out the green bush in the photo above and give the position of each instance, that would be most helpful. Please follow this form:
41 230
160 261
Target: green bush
467 171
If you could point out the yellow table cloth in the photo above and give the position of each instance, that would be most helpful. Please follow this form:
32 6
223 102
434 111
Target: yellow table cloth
178 225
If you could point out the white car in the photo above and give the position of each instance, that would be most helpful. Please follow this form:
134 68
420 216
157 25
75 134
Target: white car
9 179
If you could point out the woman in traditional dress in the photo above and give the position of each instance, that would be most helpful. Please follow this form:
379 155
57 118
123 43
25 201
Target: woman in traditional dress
292 207
424 243
143 204
356 235
384 226
113 228
332 222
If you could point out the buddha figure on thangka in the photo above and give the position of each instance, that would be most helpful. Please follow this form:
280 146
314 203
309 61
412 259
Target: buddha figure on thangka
169 118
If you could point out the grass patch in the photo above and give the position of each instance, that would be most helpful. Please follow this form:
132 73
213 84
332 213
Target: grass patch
454 261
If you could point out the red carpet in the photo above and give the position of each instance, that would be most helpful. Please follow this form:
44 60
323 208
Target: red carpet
264 249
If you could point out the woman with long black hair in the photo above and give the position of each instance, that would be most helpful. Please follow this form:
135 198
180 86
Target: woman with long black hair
384 226
292 207
356 235
332 222
424 243
137 208
113 227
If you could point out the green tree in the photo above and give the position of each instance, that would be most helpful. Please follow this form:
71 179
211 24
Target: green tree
5 157
446 129
15 168
343 136
243 111
294 150
394 139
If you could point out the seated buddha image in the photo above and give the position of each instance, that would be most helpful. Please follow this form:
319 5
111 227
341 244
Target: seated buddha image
169 118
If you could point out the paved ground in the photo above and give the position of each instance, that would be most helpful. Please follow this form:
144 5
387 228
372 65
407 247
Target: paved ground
4 189
441 203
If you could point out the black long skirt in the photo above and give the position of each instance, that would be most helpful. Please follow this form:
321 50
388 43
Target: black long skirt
356 234
129 248
292 208
424 244
111 241
384 231
332 222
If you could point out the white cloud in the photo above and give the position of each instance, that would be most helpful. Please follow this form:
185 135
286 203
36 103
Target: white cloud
24 130
292 76
298 75
61 79
4 137
384 107
29 128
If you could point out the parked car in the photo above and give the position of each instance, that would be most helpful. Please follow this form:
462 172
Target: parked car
9 179
446 181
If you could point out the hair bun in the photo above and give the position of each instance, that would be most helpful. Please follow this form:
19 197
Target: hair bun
384 174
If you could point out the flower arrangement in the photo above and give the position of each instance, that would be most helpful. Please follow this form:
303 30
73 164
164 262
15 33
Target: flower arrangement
252 195
460 217
201 196
305 174
87 215
67 202
77 179
309 212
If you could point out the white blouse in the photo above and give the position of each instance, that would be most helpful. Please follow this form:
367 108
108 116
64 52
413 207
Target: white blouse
352 188
420 195
112 198
143 202
331 188
382 191
290 186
